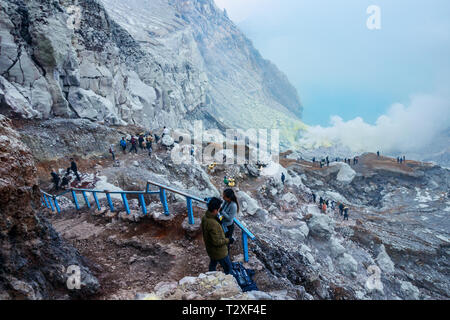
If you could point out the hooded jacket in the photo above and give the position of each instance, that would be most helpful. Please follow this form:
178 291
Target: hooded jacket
214 237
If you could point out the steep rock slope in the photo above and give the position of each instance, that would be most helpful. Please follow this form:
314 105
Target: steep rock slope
244 89
33 257
165 62
69 59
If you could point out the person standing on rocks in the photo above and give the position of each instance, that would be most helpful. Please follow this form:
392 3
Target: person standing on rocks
324 207
123 144
346 213
74 168
378 154
229 211
283 178
149 142
55 179
141 141
165 132
341 208
214 238
314 197
133 145
111 150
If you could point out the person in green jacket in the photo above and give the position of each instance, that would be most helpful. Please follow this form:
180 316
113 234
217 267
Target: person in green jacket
214 237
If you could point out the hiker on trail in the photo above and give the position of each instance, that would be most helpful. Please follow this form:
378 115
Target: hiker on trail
149 142
314 197
333 205
341 208
157 138
404 159
141 141
283 178
324 208
398 160
165 132
314 160
346 213
226 181
214 238
123 144
321 201
229 210
74 168
111 150
55 179
401 160
65 181
328 163
378 154
133 142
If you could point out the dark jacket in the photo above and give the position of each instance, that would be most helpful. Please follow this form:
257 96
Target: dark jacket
73 166
214 237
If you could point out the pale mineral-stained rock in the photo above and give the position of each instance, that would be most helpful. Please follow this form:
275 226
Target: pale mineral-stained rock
384 261
321 226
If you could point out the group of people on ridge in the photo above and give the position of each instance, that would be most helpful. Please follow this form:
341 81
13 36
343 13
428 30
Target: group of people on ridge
143 140
326 161
56 179
324 205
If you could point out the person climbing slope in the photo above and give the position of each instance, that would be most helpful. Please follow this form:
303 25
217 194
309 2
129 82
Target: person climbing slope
283 178
214 238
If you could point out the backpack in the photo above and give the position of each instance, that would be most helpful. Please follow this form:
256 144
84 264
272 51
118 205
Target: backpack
244 277
123 143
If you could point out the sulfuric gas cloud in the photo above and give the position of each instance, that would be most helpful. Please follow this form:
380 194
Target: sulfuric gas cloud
404 128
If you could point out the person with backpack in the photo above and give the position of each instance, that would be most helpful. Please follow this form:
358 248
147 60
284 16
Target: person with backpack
214 238
341 208
149 142
346 215
141 141
314 197
133 142
55 179
283 178
123 144
229 211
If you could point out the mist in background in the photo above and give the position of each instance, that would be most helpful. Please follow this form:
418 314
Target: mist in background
368 89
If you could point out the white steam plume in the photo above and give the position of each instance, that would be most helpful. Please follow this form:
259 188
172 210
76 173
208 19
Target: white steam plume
410 128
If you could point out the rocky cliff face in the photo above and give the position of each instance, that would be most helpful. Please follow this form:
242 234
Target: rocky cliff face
244 89
33 257
152 63
69 59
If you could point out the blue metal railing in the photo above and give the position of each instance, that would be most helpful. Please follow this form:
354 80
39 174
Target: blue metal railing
51 202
